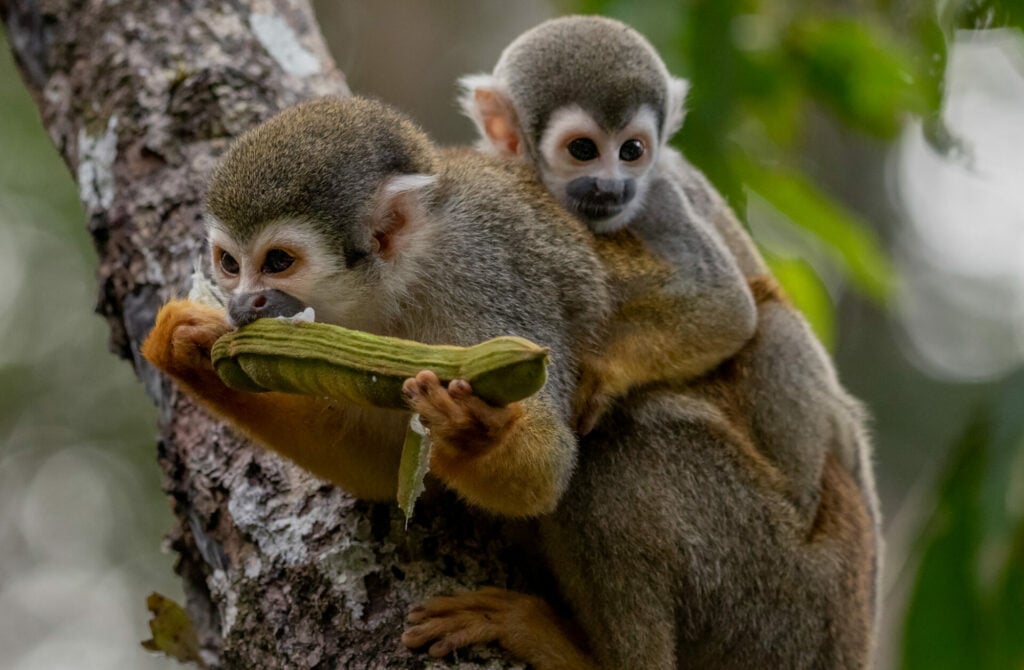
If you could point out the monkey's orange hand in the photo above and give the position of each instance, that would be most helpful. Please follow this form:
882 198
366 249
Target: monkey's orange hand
455 416
182 337
523 624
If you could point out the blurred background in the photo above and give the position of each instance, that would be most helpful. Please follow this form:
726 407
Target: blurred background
875 149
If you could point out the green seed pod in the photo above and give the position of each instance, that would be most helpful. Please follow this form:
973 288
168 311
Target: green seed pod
325 360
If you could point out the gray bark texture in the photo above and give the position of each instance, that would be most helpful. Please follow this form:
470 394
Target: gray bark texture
280 570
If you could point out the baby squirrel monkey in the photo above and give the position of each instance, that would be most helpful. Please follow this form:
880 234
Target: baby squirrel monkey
587 103
346 207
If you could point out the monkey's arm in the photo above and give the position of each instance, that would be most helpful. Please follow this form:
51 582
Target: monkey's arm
357 449
684 306
708 204
514 460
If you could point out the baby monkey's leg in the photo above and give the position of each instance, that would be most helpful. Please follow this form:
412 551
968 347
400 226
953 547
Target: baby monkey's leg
525 625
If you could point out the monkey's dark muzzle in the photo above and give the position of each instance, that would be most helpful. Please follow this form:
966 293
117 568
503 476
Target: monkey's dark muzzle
247 307
596 198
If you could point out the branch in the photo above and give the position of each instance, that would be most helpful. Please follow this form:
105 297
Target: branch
280 570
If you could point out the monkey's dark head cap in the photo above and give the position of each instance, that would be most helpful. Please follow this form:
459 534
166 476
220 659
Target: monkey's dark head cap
601 64
321 160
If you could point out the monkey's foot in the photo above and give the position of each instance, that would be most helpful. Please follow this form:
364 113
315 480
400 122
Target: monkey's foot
525 625
180 341
454 415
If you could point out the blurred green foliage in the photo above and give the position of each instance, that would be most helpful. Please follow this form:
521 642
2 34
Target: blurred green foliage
762 72
967 609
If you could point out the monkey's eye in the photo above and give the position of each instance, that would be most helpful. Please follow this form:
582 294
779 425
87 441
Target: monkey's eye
631 150
277 260
228 263
582 149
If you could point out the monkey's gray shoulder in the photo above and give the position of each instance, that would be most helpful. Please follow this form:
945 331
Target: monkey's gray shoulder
516 263
500 212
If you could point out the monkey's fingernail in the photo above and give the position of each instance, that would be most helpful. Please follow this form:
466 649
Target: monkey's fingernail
442 648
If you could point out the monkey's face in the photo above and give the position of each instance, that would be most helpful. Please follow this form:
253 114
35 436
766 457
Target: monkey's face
598 174
282 269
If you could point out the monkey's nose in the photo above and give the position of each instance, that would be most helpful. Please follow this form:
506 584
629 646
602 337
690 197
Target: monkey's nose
617 191
247 307
602 192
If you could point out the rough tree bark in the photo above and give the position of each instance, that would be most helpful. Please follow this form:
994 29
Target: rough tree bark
280 569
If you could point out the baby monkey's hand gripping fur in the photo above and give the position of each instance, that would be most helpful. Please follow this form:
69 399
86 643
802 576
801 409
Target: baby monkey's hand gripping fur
399 238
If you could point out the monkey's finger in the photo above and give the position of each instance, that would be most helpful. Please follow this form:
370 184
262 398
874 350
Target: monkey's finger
410 388
427 380
488 415
459 389
488 598
436 407
456 630
477 632
417 636
442 605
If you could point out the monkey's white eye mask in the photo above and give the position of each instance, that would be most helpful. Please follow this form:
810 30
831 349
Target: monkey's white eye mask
204 291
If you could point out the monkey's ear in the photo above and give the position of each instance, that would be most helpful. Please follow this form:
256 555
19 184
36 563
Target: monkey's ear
675 109
398 210
485 101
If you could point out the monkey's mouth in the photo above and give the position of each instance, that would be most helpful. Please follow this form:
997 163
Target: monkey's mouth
597 211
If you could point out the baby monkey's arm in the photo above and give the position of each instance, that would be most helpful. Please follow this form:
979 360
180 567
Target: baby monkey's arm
683 306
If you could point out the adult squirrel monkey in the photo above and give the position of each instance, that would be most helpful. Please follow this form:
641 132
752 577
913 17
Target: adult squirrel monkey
587 103
672 537
346 207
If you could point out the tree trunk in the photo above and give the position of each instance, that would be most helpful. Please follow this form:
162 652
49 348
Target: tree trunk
280 570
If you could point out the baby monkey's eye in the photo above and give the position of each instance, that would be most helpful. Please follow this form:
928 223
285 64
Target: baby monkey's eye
631 150
277 260
582 149
228 263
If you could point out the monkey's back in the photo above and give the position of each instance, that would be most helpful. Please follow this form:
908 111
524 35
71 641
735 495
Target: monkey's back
676 540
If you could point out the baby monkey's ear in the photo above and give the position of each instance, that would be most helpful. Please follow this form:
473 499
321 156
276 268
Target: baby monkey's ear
675 109
485 101
398 213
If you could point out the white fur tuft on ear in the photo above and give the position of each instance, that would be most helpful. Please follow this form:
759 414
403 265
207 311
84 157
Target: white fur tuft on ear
468 86
485 101
398 214
675 110
405 183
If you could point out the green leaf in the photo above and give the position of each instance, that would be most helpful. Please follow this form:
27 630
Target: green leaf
848 240
858 71
412 469
172 631
806 291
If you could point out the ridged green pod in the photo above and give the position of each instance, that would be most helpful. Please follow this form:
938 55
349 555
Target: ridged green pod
325 360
